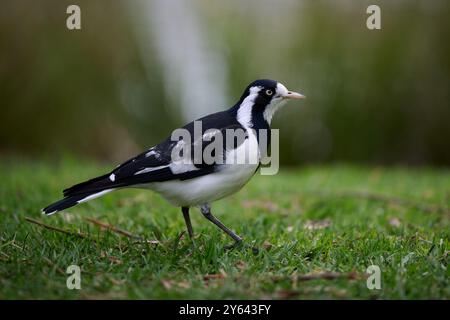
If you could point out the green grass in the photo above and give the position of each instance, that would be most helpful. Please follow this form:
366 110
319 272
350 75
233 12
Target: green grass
395 218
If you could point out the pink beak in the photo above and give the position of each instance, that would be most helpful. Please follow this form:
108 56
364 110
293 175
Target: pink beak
293 95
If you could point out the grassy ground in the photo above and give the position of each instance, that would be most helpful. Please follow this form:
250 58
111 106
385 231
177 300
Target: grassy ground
317 230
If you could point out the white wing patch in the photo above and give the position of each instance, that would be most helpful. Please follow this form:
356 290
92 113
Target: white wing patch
181 167
210 133
145 170
95 195
152 152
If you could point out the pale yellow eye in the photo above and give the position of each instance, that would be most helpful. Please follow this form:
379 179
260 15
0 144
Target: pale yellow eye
269 92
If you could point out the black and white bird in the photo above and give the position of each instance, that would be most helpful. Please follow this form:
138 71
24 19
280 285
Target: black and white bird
195 183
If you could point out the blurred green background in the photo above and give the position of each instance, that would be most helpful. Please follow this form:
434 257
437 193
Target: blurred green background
138 69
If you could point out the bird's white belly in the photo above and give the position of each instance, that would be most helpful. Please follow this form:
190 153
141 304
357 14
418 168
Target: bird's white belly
241 164
206 188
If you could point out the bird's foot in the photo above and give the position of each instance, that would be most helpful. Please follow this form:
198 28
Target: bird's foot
242 245
236 244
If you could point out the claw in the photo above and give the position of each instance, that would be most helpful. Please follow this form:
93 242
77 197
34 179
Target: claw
234 245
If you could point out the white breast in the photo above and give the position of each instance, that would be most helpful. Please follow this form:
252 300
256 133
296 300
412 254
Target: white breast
241 163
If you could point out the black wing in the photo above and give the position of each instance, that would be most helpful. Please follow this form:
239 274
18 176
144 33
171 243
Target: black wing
157 165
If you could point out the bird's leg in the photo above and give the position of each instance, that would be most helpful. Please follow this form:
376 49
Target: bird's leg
206 211
187 219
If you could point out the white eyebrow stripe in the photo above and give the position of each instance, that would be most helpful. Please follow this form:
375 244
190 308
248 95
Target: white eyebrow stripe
281 89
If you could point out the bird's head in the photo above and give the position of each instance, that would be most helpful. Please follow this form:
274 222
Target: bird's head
261 99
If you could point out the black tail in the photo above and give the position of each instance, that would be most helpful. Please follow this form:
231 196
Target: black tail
62 204
82 192
93 185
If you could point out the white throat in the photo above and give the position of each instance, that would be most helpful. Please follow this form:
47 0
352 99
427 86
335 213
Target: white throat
275 104
273 107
